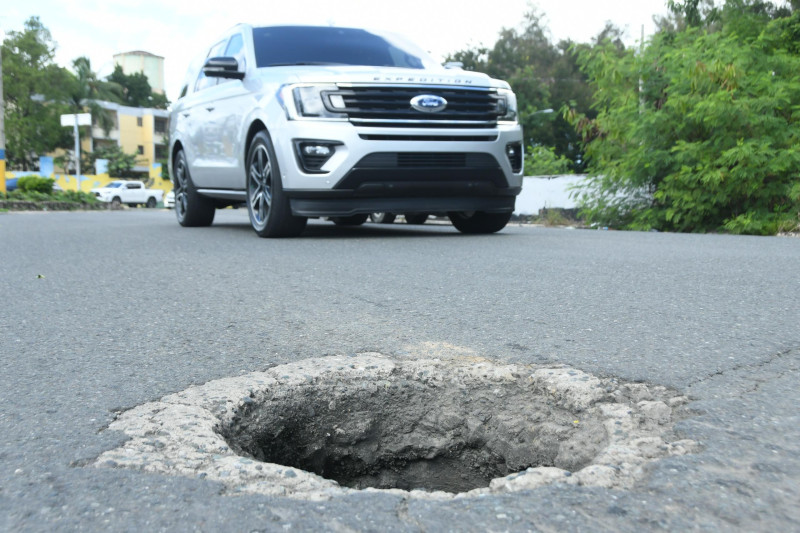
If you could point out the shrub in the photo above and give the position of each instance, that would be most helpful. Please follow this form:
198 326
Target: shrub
543 161
76 197
70 197
697 132
35 184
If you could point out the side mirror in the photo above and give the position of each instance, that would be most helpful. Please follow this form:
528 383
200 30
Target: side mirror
222 67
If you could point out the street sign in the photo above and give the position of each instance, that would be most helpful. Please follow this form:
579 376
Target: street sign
80 119
84 119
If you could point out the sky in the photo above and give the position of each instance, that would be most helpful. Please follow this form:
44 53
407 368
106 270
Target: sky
179 30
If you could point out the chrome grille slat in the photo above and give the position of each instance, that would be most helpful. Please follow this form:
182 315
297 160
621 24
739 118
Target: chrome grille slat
373 105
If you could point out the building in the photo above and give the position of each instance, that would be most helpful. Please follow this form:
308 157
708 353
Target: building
149 64
141 131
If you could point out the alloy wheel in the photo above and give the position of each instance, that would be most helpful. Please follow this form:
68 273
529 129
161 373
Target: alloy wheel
181 191
259 184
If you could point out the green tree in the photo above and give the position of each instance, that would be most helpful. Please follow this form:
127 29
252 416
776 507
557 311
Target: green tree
543 161
543 75
87 91
136 90
120 164
34 96
700 132
474 59
691 12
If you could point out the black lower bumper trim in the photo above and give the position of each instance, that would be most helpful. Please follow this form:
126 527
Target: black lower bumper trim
346 206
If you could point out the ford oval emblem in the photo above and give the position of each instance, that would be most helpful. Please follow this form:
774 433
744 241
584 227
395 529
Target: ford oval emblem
428 103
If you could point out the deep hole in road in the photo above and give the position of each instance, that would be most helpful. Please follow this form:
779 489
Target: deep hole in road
430 434
430 430
442 427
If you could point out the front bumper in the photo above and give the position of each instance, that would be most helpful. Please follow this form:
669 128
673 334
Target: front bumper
411 170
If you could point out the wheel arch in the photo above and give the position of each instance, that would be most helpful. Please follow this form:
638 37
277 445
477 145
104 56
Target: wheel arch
177 147
256 127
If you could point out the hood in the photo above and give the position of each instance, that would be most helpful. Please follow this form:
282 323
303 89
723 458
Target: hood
372 75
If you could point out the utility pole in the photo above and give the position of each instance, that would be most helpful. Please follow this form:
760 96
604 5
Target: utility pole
2 123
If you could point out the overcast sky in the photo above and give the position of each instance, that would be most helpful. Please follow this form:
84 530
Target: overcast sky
178 30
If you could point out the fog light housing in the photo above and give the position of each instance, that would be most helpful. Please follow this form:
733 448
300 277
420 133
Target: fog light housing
514 154
317 150
312 154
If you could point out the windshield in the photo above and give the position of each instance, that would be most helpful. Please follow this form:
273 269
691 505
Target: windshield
114 185
320 45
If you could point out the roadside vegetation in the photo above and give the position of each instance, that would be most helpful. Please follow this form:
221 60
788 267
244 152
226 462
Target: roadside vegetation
700 129
695 130
37 193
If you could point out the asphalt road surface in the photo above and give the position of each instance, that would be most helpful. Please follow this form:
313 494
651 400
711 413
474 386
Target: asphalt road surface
103 311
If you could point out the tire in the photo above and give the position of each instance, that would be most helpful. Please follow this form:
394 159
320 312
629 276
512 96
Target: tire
352 220
479 222
267 205
151 202
416 218
116 203
191 208
382 218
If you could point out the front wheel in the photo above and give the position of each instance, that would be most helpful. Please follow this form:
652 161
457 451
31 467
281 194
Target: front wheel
191 208
267 204
479 222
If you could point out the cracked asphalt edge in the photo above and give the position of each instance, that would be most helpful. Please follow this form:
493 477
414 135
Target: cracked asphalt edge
177 434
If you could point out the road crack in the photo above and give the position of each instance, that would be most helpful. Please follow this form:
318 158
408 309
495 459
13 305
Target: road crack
756 372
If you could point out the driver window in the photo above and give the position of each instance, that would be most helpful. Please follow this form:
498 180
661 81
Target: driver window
204 82
235 49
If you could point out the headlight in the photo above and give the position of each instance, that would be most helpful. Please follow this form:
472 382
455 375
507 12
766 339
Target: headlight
506 106
308 102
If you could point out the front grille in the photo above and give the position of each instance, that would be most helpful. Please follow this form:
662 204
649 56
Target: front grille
425 174
428 160
391 106
436 138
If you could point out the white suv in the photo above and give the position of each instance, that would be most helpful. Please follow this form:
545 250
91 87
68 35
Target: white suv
305 121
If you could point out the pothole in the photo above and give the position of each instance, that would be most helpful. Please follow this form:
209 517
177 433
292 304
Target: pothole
435 427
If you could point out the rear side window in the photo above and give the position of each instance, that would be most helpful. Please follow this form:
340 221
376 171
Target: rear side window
310 45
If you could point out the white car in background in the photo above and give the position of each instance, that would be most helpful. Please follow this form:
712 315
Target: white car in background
128 192
169 200
338 123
